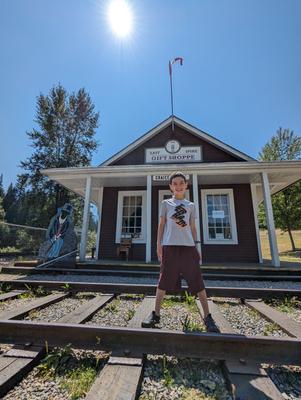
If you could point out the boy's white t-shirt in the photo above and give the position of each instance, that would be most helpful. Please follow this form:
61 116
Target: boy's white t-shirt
178 213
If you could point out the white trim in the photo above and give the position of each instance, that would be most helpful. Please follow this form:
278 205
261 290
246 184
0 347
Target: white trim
197 207
122 193
99 212
228 191
184 125
85 226
255 211
222 168
148 250
270 219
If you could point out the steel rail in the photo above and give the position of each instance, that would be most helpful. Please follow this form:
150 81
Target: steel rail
248 293
155 341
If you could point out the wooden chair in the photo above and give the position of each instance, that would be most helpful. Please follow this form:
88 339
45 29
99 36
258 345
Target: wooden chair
124 247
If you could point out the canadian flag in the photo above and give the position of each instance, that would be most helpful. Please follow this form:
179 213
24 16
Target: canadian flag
180 59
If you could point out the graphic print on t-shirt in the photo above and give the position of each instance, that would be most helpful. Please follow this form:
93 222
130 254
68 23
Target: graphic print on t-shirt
178 216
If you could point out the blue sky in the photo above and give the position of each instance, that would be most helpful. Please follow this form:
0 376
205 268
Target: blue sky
240 80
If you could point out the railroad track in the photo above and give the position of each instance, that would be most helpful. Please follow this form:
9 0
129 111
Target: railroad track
153 272
240 356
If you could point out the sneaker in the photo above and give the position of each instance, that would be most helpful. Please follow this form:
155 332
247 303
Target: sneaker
151 320
210 324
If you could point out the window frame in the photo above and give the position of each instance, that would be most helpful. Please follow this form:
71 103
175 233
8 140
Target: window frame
233 226
121 195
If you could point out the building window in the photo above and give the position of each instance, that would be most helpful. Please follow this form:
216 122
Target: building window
131 216
219 222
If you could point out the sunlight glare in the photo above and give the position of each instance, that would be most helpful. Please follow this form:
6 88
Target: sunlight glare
120 17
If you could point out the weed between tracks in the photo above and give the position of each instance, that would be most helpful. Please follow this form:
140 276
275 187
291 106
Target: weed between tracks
183 308
74 371
287 304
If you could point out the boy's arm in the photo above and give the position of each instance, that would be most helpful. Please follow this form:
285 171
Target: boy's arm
194 235
193 229
160 236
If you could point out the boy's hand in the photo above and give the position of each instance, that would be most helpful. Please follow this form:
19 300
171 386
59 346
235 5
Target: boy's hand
159 252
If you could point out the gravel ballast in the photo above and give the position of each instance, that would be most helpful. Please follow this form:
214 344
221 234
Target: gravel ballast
247 321
37 385
168 378
57 310
118 312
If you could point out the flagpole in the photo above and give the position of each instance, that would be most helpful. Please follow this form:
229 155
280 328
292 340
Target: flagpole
171 96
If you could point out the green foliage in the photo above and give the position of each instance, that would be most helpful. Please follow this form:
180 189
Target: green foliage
287 304
5 287
270 328
64 136
33 292
78 382
284 145
91 241
166 372
190 326
76 374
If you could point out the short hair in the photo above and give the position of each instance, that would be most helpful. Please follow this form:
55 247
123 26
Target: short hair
177 174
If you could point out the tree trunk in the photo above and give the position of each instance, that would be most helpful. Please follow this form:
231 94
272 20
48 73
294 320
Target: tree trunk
291 239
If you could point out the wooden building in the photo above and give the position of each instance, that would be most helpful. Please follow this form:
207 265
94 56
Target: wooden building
225 184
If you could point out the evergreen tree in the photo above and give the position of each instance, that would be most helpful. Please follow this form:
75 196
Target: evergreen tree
64 137
284 145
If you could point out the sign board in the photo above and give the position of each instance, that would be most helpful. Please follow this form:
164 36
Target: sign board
173 153
218 214
165 177
219 236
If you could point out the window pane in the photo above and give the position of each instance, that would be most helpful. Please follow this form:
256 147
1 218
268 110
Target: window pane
219 221
211 233
132 200
126 200
139 211
139 200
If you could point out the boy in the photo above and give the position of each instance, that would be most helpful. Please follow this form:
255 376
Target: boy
177 252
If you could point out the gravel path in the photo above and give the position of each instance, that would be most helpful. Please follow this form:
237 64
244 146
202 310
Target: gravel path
118 312
287 379
168 378
57 310
247 321
153 281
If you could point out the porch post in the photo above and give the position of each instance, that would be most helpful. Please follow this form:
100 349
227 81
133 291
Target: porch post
99 212
270 219
196 202
83 239
255 212
148 253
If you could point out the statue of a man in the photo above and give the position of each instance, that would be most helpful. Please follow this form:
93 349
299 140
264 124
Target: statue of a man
60 237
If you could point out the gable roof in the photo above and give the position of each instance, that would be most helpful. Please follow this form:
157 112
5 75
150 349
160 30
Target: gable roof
177 121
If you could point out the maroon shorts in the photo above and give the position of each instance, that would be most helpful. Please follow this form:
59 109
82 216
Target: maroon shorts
180 262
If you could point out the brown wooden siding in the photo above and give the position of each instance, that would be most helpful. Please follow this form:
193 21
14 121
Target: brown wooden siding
211 153
244 251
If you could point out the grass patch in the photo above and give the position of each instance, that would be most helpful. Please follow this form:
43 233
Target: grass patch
253 313
191 326
270 328
284 245
287 304
78 382
33 292
73 373
187 300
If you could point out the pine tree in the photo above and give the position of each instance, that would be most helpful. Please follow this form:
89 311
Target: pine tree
284 145
64 137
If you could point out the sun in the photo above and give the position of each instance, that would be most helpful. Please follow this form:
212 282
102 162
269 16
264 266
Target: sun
120 17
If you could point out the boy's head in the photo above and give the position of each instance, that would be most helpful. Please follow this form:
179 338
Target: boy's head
178 183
